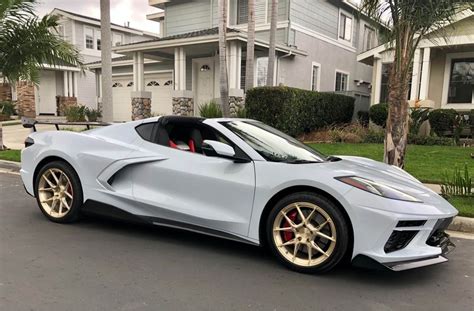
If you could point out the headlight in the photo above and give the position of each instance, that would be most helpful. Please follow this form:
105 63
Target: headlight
377 188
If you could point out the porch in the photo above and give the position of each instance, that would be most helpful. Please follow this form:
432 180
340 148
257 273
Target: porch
176 75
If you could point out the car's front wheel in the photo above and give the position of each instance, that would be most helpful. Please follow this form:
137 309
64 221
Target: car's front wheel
58 192
307 232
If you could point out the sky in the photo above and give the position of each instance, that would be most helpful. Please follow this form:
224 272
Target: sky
121 11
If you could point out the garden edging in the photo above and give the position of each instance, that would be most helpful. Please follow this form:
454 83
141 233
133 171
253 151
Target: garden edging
460 224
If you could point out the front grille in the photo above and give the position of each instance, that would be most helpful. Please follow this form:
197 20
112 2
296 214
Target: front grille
438 237
399 240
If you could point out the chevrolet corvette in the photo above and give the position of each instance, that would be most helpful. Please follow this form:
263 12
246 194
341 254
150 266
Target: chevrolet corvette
242 180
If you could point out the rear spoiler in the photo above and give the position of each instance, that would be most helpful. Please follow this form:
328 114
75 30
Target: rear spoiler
31 123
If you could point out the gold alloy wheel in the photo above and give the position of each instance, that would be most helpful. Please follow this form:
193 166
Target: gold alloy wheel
55 193
304 234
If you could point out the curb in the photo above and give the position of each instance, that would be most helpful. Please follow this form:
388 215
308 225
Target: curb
460 224
10 166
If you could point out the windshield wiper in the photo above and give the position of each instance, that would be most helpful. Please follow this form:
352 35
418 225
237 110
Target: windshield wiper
301 161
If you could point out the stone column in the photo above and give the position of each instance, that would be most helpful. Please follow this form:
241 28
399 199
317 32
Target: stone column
5 92
376 80
183 103
26 99
236 101
415 76
141 105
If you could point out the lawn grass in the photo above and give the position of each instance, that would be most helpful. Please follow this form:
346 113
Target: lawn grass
465 205
10 155
426 163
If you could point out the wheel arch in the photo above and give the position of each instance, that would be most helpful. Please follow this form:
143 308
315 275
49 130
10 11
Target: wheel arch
295 189
50 159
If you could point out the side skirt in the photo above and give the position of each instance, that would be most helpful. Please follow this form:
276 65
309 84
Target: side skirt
109 211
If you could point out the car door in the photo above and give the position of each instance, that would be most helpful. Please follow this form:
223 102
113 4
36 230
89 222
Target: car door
191 189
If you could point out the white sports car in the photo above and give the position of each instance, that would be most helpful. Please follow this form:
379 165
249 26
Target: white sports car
242 180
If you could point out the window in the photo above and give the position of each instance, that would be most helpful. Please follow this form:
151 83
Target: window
315 76
169 82
129 84
242 11
117 84
273 145
369 38
89 33
262 68
461 81
97 36
342 80
345 27
153 83
117 39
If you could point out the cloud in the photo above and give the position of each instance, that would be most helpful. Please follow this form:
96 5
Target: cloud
121 11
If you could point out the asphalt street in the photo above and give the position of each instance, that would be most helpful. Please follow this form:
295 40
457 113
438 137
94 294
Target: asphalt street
98 264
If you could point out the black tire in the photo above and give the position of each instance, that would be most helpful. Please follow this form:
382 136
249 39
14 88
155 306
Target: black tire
340 225
77 195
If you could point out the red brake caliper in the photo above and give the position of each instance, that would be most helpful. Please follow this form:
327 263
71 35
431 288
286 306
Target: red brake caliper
289 235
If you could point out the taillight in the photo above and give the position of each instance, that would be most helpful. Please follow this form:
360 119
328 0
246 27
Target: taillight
29 142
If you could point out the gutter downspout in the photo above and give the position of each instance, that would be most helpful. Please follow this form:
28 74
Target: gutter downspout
290 53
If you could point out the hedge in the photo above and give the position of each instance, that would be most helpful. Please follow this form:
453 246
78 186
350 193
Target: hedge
295 111
378 114
442 120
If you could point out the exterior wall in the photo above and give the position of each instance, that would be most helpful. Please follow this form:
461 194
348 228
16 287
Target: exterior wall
435 91
318 15
26 99
297 71
86 93
187 16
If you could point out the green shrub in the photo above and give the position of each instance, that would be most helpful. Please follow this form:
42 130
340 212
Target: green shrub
210 110
458 184
363 117
75 113
7 108
295 111
378 114
374 136
414 139
93 115
417 117
442 120
241 113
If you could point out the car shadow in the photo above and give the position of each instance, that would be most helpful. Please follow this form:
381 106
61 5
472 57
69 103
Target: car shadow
344 272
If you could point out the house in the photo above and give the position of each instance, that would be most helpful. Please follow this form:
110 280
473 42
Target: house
317 45
443 69
65 85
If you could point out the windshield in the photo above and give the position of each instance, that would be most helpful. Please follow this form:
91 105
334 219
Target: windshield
272 144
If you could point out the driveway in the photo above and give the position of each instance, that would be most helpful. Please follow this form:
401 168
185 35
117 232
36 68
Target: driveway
102 265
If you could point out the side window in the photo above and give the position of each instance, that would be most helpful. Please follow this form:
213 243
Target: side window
145 131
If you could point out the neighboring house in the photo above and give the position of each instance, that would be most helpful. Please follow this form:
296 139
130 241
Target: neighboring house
65 85
318 42
443 69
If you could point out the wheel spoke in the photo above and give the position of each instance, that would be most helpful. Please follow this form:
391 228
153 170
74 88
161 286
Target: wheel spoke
45 189
53 205
49 182
310 254
60 209
54 176
308 219
303 219
280 229
48 200
290 242
318 228
327 237
64 202
68 194
291 222
316 247
295 251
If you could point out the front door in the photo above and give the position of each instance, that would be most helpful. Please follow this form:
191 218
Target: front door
203 81
195 189
47 93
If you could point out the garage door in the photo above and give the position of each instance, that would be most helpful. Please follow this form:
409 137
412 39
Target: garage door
160 85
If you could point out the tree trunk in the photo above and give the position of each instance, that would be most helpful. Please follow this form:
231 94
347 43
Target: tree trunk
1 137
106 57
272 47
223 79
249 69
396 131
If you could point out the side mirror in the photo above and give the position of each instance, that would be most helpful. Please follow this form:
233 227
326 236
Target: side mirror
214 148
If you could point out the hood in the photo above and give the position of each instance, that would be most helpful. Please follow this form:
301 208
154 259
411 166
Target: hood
387 174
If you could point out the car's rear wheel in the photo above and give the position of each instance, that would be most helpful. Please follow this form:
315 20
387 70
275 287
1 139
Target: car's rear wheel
307 232
58 192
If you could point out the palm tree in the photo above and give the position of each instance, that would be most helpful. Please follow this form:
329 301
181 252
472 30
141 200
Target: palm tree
249 74
106 57
408 22
223 80
272 47
27 43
